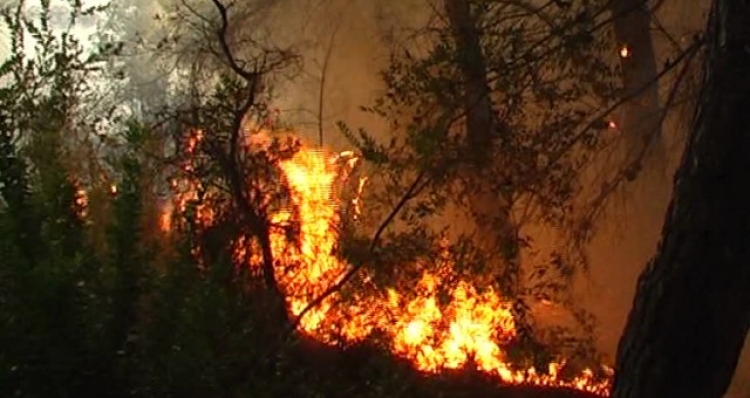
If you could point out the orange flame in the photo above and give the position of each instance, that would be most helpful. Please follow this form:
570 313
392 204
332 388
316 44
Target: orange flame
470 328
467 330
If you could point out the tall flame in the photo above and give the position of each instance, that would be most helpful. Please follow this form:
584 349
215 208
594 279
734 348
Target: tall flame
469 328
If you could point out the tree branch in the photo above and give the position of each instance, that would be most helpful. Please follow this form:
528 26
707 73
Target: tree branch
256 220
632 168
686 55
413 190
223 27
323 74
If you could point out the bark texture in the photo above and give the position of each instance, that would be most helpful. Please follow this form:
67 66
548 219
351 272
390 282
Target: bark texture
692 307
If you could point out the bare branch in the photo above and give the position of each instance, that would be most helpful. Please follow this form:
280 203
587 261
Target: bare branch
686 55
195 12
223 27
530 10
323 74
632 168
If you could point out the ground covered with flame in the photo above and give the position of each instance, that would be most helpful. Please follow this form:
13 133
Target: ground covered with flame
467 331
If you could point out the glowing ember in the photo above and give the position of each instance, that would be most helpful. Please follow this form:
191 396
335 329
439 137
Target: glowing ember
625 52
82 200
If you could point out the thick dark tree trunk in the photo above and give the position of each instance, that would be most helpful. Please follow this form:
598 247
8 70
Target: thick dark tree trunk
692 307
640 117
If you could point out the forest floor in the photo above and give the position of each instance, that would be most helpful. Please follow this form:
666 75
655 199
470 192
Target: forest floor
363 367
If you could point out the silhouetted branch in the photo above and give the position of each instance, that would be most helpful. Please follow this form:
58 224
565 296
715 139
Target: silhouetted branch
686 55
222 34
323 73
414 189
633 167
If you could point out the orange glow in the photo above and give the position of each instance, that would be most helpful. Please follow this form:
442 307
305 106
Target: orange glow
82 202
357 202
186 189
432 329
625 51
165 218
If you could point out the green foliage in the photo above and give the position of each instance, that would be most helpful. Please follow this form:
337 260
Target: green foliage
52 315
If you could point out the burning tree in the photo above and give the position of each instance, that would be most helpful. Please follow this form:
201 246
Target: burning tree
229 170
438 164
276 207
504 138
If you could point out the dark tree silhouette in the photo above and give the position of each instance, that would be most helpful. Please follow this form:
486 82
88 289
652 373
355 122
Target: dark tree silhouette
692 307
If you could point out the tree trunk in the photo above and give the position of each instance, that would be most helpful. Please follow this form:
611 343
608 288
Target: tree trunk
639 117
471 63
497 234
692 308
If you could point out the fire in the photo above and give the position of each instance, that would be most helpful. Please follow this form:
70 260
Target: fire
185 190
82 202
310 175
470 328
432 330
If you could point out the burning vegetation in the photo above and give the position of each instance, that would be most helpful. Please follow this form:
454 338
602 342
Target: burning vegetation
438 321
248 216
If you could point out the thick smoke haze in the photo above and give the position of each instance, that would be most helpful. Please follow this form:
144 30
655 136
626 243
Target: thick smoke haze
344 45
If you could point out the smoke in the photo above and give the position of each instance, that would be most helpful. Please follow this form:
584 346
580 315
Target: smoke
344 45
